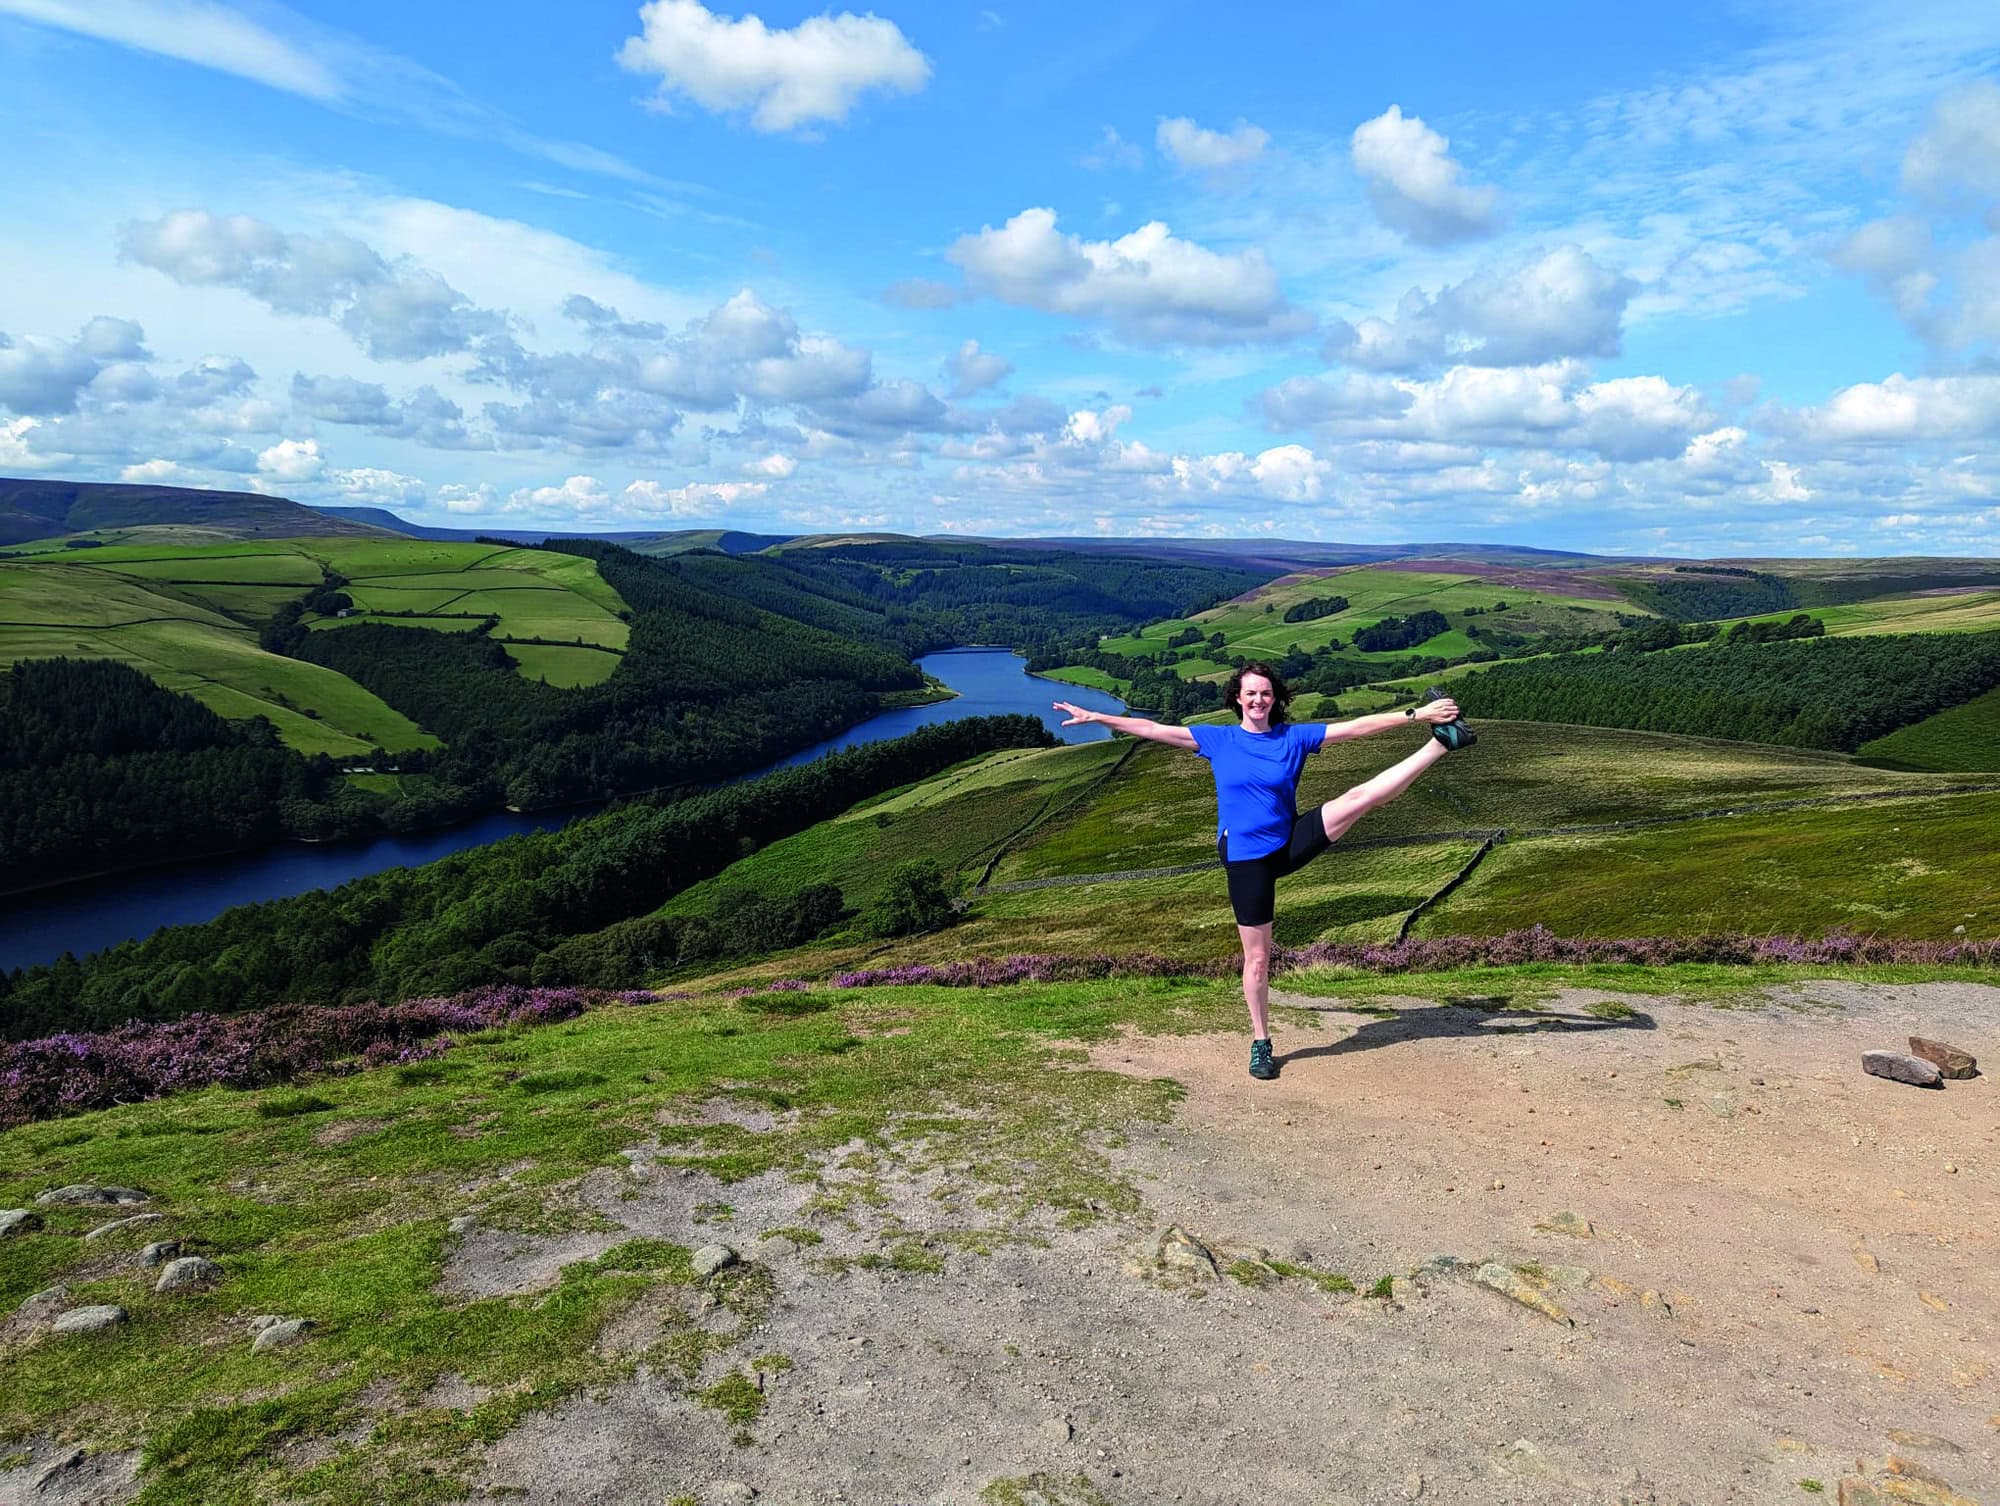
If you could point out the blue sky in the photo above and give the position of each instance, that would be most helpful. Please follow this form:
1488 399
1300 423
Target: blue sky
1709 279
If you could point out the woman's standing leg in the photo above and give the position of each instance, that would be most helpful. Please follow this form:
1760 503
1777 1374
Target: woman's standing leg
1257 995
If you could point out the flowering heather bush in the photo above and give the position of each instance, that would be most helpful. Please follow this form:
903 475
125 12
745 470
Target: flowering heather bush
992 972
73 1073
1538 945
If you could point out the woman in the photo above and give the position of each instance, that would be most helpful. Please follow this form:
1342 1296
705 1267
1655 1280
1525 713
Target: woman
1259 836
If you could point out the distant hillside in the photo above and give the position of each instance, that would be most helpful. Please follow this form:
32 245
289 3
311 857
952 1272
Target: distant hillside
32 509
643 541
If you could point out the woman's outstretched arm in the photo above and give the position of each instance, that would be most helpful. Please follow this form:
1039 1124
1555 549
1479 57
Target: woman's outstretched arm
1136 726
1434 713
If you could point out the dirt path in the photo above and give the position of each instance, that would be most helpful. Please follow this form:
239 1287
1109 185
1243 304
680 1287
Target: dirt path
1784 1280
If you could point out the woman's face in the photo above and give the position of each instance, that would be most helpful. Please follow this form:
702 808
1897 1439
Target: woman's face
1254 697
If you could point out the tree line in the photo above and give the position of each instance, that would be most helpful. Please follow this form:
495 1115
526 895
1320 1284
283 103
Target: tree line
1833 693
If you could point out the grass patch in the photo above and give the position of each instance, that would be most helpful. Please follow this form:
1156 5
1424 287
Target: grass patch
351 1233
1330 1282
291 1105
1960 739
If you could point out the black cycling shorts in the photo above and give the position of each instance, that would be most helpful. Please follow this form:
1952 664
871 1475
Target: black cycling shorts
1253 882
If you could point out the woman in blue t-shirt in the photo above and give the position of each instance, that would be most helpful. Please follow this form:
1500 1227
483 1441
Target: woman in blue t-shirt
1259 835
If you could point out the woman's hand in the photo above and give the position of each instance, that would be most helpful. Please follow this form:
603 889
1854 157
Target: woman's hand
1078 715
1437 713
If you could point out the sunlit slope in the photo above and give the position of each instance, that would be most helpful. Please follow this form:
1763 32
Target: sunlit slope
1911 868
188 616
1963 738
1059 850
177 633
543 602
1973 610
1248 628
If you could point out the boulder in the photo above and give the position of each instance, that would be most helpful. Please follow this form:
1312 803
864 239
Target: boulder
186 1272
159 1252
15 1221
1898 1067
90 1319
280 1335
712 1258
89 1195
1174 1249
1951 1061
42 1306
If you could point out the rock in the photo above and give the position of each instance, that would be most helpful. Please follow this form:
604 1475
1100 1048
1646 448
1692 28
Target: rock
1949 1060
1923 1441
262 1321
728 1493
14 1221
1176 1250
1509 1284
187 1271
90 1319
61 1464
281 1335
1056 1429
1573 1224
125 1223
42 1306
1413 1485
1568 1277
89 1194
1855 1491
1523 1460
159 1252
712 1258
1898 1067
1866 1260
1653 1302
465 1223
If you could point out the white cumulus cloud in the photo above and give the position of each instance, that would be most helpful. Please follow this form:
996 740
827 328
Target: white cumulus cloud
1149 286
1415 184
970 369
290 462
1202 150
786 78
1559 305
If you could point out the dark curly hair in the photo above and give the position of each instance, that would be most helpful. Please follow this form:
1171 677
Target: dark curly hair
1281 693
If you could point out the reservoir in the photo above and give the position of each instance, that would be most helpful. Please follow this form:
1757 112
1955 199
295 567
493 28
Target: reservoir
96 913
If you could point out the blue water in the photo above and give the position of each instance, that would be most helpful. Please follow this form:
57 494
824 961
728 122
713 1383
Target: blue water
88 916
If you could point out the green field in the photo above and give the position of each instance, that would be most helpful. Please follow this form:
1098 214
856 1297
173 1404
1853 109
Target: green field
1904 868
533 593
188 617
1967 611
80 611
1964 738
1374 594
562 665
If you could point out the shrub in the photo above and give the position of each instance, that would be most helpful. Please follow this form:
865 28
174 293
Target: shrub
915 902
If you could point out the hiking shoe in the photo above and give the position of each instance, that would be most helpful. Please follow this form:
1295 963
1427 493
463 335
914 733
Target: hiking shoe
1453 734
1262 1067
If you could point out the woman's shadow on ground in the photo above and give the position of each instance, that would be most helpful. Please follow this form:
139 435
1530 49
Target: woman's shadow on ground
1487 1017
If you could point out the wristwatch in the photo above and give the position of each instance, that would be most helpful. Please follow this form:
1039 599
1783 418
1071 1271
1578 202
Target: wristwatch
1409 713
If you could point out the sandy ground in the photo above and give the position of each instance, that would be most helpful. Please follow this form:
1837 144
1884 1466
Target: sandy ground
1790 1277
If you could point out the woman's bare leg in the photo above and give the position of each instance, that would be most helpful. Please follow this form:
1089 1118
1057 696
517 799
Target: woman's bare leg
1341 812
1257 977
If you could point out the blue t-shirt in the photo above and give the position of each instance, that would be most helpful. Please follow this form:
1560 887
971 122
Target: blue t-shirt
1256 782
